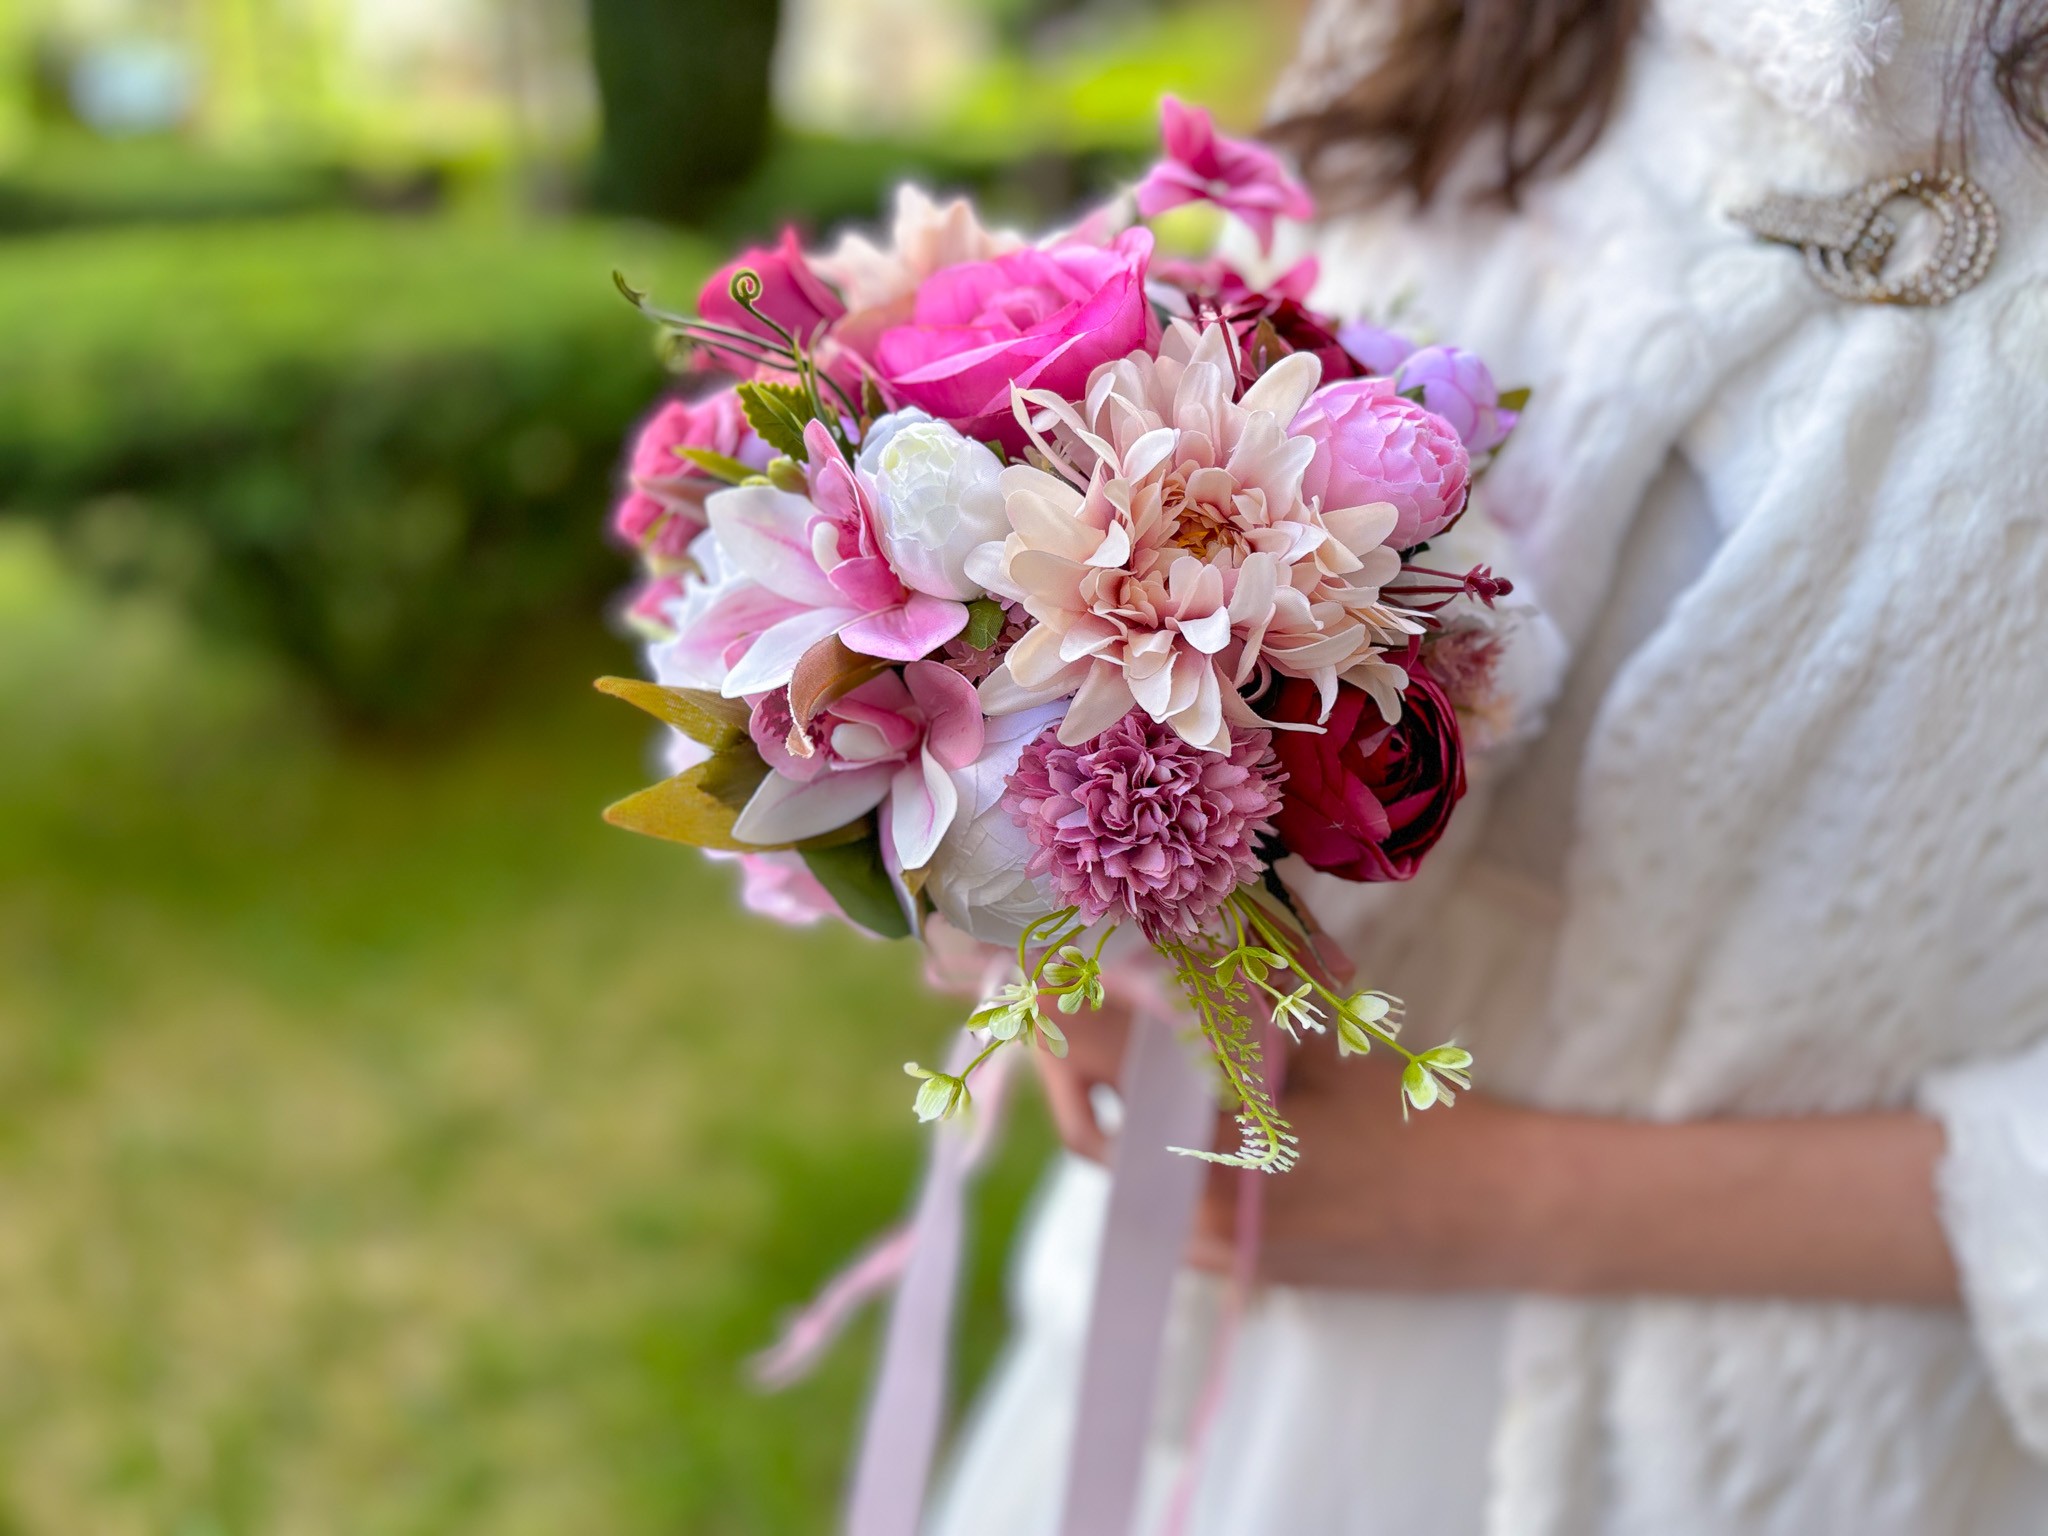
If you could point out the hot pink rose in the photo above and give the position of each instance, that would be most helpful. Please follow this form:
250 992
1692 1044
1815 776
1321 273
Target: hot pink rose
663 508
1240 177
1041 319
1372 445
792 295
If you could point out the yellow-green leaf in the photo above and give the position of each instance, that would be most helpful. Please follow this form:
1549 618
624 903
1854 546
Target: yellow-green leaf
681 810
716 722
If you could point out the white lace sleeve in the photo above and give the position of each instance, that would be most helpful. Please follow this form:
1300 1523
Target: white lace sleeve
1994 1197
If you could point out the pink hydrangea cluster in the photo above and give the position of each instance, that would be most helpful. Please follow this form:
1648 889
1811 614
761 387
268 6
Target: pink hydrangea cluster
1138 822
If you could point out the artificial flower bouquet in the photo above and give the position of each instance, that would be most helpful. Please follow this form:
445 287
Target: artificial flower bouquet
1048 588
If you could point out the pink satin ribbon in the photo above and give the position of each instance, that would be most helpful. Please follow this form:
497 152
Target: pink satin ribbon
1168 1102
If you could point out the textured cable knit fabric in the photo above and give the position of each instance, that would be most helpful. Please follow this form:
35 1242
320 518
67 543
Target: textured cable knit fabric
1809 870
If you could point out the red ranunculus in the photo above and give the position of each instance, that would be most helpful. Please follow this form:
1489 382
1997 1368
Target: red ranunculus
1365 800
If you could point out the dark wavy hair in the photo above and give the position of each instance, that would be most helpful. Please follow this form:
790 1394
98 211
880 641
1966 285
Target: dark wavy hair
1535 80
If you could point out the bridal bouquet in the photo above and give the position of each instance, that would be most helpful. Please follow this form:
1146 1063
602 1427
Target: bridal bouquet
1054 588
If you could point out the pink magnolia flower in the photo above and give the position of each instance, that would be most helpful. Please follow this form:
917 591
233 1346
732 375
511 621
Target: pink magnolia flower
1138 822
714 616
1182 553
896 738
1040 319
663 508
792 295
822 556
1202 165
1459 387
1371 445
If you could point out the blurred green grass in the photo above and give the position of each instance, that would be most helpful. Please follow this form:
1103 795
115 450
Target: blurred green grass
387 1146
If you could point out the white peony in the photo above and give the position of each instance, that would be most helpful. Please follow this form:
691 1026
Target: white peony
977 879
938 501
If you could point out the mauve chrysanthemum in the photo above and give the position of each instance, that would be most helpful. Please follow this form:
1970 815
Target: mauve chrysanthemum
1137 821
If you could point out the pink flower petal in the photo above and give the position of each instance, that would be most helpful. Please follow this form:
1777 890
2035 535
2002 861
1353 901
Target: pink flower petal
771 659
766 533
952 712
920 626
1104 699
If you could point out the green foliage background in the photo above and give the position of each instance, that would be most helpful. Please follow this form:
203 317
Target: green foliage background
388 1145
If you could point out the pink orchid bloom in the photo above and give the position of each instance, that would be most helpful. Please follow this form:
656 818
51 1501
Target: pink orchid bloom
1201 165
821 556
897 738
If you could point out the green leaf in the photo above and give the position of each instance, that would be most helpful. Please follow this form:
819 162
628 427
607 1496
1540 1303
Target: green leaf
871 402
731 777
1514 399
717 465
785 474
853 875
1415 395
777 413
697 806
984 622
716 722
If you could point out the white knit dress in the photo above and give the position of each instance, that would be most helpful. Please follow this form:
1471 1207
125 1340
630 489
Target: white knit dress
1782 847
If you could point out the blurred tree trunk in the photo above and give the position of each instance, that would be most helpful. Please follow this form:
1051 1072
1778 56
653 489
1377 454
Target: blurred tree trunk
683 89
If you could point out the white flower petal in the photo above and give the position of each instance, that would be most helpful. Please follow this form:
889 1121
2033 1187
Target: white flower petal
784 811
771 659
922 802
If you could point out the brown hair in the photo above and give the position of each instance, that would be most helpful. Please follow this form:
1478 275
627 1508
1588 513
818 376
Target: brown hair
1531 82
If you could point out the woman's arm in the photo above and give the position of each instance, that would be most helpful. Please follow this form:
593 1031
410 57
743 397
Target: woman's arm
1484 1195
1488 1196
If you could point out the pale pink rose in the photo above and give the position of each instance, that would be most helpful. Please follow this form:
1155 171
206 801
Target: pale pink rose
822 554
896 738
663 508
1041 319
1240 177
792 295
1373 446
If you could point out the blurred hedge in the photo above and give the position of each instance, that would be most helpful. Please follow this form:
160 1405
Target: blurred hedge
377 445
71 182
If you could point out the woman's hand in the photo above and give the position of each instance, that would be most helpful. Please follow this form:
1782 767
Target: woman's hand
1095 1054
1378 1201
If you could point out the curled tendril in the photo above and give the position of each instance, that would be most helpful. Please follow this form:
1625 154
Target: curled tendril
745 289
